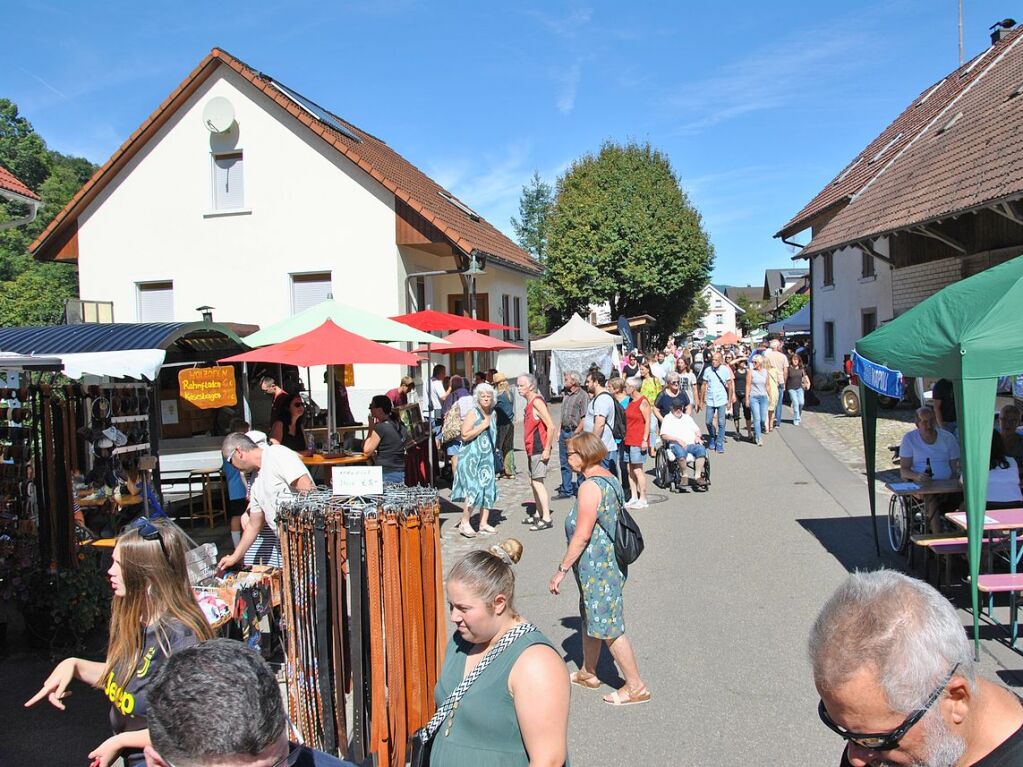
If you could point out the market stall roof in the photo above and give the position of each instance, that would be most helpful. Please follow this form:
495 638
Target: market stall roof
577 333
430 319
327 344
12 360
727 338
132 350
798 322
468 341
354 320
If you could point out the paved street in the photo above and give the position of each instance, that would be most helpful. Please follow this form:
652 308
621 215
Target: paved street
718 609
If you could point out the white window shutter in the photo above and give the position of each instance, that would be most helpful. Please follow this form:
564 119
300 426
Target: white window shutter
156 302
307 290
228 181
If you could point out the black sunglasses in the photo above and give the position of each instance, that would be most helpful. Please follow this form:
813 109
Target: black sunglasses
885 741
149 532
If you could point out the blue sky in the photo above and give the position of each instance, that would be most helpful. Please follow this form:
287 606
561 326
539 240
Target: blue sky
758 104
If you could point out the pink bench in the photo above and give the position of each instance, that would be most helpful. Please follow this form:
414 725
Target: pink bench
946 545
1003 583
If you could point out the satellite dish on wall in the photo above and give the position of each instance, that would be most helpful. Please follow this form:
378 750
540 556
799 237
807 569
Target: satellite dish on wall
218 115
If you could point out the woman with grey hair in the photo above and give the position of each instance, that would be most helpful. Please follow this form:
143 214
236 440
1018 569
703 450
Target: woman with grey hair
475 477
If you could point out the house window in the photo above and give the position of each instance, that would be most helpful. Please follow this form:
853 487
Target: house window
868 264
719 319
869 321
506 315
829 269
155 301
307 290
717 303
228 181
829 340
517 304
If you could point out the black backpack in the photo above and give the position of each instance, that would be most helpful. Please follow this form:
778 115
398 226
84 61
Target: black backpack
627 537
618 427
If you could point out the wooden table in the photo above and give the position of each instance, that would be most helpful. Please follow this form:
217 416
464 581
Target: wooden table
319 459
906 507
117 500
934 487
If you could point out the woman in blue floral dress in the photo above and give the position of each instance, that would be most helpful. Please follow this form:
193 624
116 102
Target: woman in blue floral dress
590 528
475 475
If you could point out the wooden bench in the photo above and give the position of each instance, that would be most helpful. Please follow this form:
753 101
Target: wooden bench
1003 583
948 545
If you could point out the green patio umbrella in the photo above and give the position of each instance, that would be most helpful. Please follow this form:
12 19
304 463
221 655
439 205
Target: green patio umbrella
358 321
970 333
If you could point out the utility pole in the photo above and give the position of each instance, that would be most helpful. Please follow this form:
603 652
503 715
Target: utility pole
960 32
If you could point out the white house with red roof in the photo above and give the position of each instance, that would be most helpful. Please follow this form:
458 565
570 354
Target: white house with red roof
240 193
12 188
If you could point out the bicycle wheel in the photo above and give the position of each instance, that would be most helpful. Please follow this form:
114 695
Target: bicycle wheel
898 524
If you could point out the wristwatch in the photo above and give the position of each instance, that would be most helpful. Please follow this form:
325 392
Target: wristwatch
563 570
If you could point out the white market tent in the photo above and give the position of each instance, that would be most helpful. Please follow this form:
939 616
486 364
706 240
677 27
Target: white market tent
797 323
575 346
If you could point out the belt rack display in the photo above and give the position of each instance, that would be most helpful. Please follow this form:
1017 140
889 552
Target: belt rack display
362 595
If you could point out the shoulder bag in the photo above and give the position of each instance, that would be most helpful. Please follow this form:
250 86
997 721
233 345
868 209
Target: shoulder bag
627 537
421 742
452 427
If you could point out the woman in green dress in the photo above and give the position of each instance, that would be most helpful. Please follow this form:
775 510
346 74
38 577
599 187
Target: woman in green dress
475 475
516 713
590 528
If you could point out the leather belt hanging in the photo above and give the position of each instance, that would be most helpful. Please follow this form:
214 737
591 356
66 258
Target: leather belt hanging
357 588
412 602
430 604
395 631
322 640
379 741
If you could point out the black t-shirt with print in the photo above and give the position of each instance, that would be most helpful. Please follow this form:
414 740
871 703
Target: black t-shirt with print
1008 754
129 705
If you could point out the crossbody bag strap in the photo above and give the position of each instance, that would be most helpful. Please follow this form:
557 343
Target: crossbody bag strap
621 503
459 692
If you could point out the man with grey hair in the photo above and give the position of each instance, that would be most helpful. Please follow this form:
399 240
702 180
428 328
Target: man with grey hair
217 704
895 673
280 471
775 359
538 430
573 412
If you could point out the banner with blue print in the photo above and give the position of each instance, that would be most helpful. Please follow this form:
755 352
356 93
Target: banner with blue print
877 377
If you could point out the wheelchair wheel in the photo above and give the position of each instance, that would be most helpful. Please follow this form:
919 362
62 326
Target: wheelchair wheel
898 524
706 470
662 468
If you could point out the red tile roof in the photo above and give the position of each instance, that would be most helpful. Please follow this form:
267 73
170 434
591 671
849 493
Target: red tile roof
953 165
10 183
864 167
389 168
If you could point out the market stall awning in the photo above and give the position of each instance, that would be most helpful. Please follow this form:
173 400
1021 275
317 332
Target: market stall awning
357 321
798 322
327 344
468 341
118 350
726 339
970 333
431 320
577 333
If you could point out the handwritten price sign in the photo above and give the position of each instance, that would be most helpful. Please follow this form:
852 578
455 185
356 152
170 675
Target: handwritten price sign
208 388
357 480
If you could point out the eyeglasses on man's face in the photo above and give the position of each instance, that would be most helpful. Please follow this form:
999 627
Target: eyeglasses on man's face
290 759
885 741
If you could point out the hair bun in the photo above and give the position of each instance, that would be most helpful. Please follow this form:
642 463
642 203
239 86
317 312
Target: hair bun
509 551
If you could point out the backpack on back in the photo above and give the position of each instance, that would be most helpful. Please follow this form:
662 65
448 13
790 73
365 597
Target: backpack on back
618 427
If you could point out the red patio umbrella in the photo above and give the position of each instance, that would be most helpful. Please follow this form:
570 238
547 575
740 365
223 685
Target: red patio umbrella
468 341
327 345
728 338
429 320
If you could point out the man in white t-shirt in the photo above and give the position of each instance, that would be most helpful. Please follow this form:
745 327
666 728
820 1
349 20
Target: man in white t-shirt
281 472
925 447
682 436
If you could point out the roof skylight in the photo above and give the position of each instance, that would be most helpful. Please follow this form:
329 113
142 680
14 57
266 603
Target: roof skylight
314 109
473 215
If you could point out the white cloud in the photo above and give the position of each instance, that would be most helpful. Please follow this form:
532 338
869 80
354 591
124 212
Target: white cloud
569 88
564 26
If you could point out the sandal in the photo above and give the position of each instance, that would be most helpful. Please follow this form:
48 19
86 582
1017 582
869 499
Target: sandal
627 697
584 679
542 525
466 530
487 530
530 519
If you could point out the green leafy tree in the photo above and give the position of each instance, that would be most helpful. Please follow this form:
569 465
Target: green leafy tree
695 315
33 293
793 305
531 232
752 317
622 230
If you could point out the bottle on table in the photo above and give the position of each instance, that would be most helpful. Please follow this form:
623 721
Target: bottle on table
929 472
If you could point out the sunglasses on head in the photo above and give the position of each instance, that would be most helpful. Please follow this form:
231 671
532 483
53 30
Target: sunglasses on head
885 741
149 532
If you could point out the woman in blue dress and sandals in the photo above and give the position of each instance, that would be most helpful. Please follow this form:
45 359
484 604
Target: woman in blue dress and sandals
475 475
590 528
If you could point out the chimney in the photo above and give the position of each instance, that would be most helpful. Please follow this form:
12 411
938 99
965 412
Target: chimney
1000 30
207 313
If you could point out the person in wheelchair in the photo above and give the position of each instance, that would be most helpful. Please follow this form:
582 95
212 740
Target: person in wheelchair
682 437
929 453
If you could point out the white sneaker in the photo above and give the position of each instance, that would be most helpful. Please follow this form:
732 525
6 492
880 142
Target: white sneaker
640 505
631 503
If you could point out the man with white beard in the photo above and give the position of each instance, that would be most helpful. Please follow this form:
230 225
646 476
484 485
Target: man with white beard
895 673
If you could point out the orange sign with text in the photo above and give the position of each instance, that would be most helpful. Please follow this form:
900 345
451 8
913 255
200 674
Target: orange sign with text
208 388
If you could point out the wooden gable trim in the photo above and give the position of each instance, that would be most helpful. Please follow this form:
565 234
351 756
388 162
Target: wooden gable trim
413 230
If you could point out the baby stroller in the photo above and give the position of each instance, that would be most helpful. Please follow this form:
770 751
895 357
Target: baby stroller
667 475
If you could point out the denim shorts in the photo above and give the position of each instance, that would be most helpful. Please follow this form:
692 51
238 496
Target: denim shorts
695 450
454 447
636 455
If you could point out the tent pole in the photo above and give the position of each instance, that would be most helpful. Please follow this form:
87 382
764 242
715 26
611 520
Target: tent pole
429 404
246 407
330 405
868 422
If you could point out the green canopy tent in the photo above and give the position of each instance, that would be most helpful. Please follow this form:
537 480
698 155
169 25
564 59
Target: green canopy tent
968 333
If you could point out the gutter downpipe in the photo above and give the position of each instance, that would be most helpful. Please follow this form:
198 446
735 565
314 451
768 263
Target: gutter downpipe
33 211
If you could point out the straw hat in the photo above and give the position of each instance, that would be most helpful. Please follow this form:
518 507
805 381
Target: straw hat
500 378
